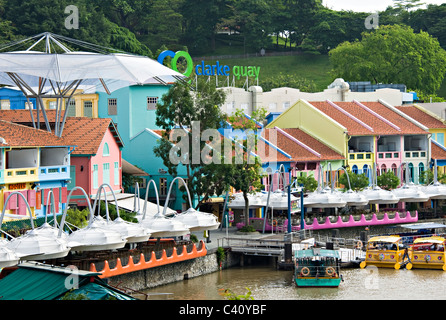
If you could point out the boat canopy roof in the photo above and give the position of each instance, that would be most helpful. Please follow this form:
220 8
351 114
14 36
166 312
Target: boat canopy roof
390 239
425 225
316 252
429 240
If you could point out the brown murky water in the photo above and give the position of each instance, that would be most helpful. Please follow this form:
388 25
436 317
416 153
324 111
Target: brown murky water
267 283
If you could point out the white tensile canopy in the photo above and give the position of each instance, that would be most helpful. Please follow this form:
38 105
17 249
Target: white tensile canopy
58 71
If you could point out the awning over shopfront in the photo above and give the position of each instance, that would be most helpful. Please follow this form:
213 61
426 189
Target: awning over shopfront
129 168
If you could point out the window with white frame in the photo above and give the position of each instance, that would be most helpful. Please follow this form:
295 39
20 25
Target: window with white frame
106 173
5 104
163 187
28 105
151 103
286 104
244 106
52 105
71 107
112 107
88 109
272 106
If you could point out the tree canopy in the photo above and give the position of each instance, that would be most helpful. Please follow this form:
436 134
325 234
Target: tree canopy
392 54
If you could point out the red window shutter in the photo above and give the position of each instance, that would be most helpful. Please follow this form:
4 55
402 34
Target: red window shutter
63 195
45 196
12 202
32 198
56 199
39 200
22 205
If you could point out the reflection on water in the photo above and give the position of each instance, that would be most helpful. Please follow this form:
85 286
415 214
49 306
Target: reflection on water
267 283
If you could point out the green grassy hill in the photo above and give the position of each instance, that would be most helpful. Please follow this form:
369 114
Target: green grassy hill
315 68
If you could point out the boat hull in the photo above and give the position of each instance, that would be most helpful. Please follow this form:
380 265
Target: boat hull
428 260
317 282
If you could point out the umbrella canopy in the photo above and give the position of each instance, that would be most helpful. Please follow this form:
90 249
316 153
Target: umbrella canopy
197 220
35 244
132 232
410 192
159 224
324 199
58 71
93 237
376 195
191 218
255 201
8 257
279 200
353 198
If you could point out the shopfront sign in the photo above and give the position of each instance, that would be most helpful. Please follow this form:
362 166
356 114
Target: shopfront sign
203 69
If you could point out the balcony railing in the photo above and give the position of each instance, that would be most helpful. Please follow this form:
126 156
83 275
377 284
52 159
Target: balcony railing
360 156
20 175
389 155
415 154
54 172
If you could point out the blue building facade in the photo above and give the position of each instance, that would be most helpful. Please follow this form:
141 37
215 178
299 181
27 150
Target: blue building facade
133 109
14 99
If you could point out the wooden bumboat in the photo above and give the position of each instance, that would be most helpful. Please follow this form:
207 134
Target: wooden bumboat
386 252
428 253
317 267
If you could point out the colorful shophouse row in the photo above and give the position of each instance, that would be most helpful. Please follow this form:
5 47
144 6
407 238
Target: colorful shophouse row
364 133
437 129
94 158
32 162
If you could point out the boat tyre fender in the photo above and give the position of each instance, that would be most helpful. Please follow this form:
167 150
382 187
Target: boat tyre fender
305 271
330 271
359 244
274 223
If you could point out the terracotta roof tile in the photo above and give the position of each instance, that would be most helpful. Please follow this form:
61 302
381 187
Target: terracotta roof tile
437 151
297 151
405 125
86 133
368 120
422 117
24 116
18 135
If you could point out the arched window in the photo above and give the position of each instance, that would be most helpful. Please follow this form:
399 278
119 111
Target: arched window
383 168
420 170
106 150
411 172
355 169
395 169
365 170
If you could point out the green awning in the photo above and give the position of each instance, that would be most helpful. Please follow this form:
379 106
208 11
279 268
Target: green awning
94 291
32 284
37 281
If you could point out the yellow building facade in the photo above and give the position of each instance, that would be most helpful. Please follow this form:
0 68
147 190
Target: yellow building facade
81 104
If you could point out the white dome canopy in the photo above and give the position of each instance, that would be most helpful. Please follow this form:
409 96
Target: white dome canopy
95 236
132 232
36 244
159 224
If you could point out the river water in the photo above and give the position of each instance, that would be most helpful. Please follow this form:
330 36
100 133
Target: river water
268 283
